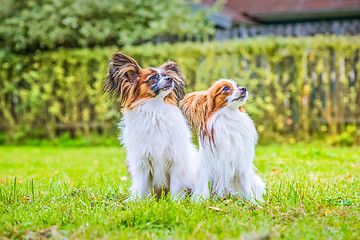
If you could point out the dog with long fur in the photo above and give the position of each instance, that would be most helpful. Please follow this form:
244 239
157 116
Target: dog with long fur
154 131
227 139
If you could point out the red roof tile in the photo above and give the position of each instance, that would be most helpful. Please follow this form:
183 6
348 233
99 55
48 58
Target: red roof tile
238 8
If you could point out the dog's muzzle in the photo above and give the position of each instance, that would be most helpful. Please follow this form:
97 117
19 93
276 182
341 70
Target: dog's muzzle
242 94
165 83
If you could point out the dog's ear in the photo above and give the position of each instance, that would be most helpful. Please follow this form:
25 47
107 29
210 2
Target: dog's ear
196 109
171 69
123 72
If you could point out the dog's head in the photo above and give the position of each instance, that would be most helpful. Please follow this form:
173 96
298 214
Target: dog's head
130 84
199 107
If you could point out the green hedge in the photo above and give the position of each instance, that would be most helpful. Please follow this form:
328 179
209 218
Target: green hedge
298 86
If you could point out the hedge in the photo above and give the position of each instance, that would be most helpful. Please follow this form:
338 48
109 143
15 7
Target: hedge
298 86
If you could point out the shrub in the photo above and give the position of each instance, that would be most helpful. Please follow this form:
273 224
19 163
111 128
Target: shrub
298 87
346 138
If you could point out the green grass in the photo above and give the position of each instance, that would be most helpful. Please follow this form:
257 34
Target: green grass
49 192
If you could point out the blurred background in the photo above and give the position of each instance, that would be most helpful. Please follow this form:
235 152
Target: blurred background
299 60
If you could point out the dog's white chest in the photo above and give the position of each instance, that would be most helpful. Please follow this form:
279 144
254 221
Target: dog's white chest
233 150
155 136
150 128
234 135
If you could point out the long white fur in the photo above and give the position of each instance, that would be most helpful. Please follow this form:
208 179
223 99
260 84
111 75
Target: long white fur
159 149
228 163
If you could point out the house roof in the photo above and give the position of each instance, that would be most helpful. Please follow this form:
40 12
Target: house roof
264 11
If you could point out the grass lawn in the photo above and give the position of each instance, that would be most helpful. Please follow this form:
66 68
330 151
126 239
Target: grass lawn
50 192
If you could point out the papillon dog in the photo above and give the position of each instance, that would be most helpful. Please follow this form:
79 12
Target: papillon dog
227 139
154 131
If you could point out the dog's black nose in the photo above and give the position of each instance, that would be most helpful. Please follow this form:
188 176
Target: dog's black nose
167 78
243 89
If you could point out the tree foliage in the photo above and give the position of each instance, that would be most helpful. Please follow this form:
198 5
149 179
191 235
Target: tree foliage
48 24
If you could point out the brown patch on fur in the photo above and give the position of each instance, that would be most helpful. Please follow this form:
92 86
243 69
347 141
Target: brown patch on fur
171 98
196 109
129 83
242 109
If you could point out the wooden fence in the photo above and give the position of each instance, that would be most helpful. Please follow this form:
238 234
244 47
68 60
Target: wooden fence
346 27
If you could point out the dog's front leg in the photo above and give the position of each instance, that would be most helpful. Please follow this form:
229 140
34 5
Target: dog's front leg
202 189
202 193
177 186
140 187
252 186
248 192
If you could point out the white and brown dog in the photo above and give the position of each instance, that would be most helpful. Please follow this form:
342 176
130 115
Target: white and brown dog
154 131
227 138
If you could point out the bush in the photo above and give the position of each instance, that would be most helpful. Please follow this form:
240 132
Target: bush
48 24
299 87
348 137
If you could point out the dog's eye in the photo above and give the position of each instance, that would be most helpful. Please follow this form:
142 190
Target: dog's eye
152 77
226 89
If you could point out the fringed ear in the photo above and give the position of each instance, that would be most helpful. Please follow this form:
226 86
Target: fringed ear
187 106
196 109
171 69
123 72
